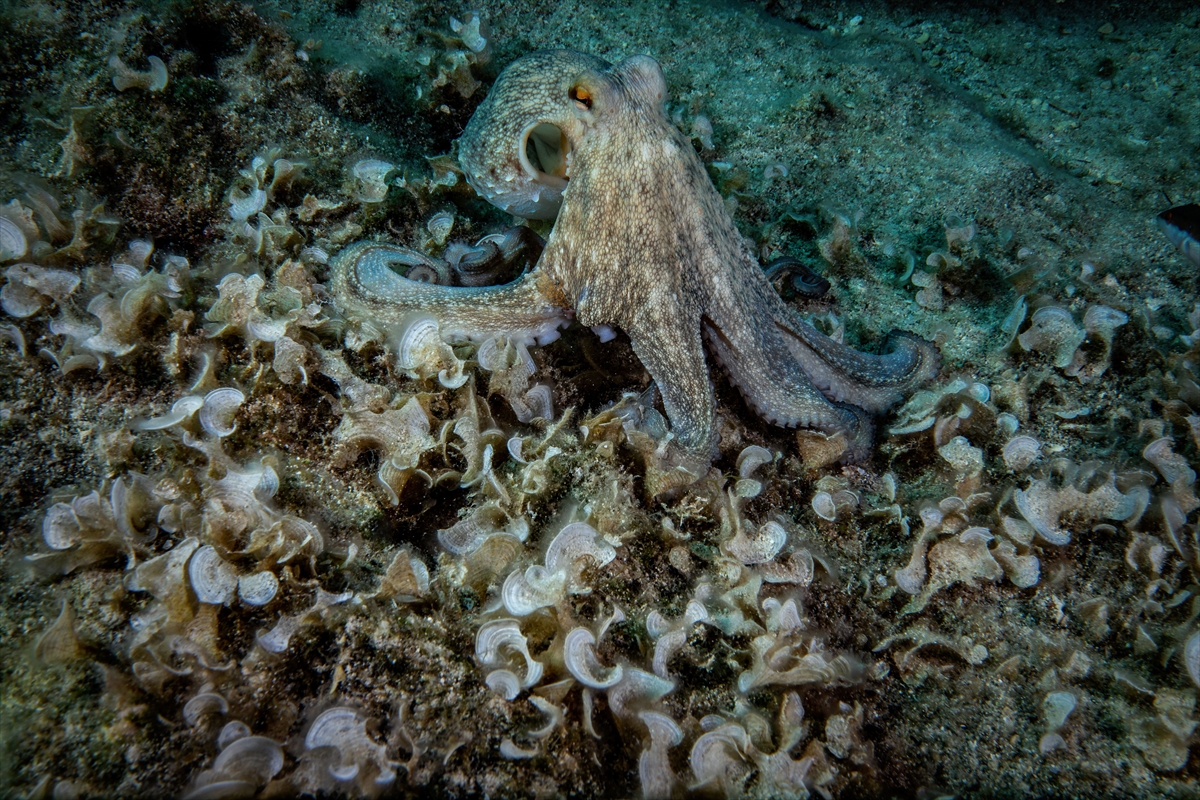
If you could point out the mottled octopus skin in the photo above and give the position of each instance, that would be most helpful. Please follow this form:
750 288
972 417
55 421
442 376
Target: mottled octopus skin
643 242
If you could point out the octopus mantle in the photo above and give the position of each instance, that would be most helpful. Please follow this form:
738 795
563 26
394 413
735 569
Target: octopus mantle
642 242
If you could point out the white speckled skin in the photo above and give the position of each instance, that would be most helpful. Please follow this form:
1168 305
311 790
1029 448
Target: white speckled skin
644 243
533 91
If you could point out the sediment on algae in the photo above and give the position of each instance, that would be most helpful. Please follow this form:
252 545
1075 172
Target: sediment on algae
254 540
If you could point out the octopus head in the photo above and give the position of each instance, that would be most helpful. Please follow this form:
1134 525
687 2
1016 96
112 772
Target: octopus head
517 149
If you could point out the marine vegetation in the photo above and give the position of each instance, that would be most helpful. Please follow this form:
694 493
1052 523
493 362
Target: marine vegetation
402 400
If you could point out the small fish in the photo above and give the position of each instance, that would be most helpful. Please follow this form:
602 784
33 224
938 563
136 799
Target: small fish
1182 226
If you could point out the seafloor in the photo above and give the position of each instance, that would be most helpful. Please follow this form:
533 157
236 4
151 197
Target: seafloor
298 588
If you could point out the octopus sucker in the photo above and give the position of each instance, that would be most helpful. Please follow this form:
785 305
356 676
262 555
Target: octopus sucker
642 242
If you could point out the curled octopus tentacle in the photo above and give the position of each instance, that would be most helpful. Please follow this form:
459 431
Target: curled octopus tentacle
774 383
793 375
803 280
363 281
872 382
869 381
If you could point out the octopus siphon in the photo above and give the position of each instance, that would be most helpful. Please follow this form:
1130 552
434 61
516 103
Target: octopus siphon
642 241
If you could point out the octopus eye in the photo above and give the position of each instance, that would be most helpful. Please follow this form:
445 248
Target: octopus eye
582 97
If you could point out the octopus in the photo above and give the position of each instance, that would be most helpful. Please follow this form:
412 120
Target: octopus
642 242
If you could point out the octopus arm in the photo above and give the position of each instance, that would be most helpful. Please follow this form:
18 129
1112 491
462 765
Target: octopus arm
771 380
363 281
677 364
872 382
